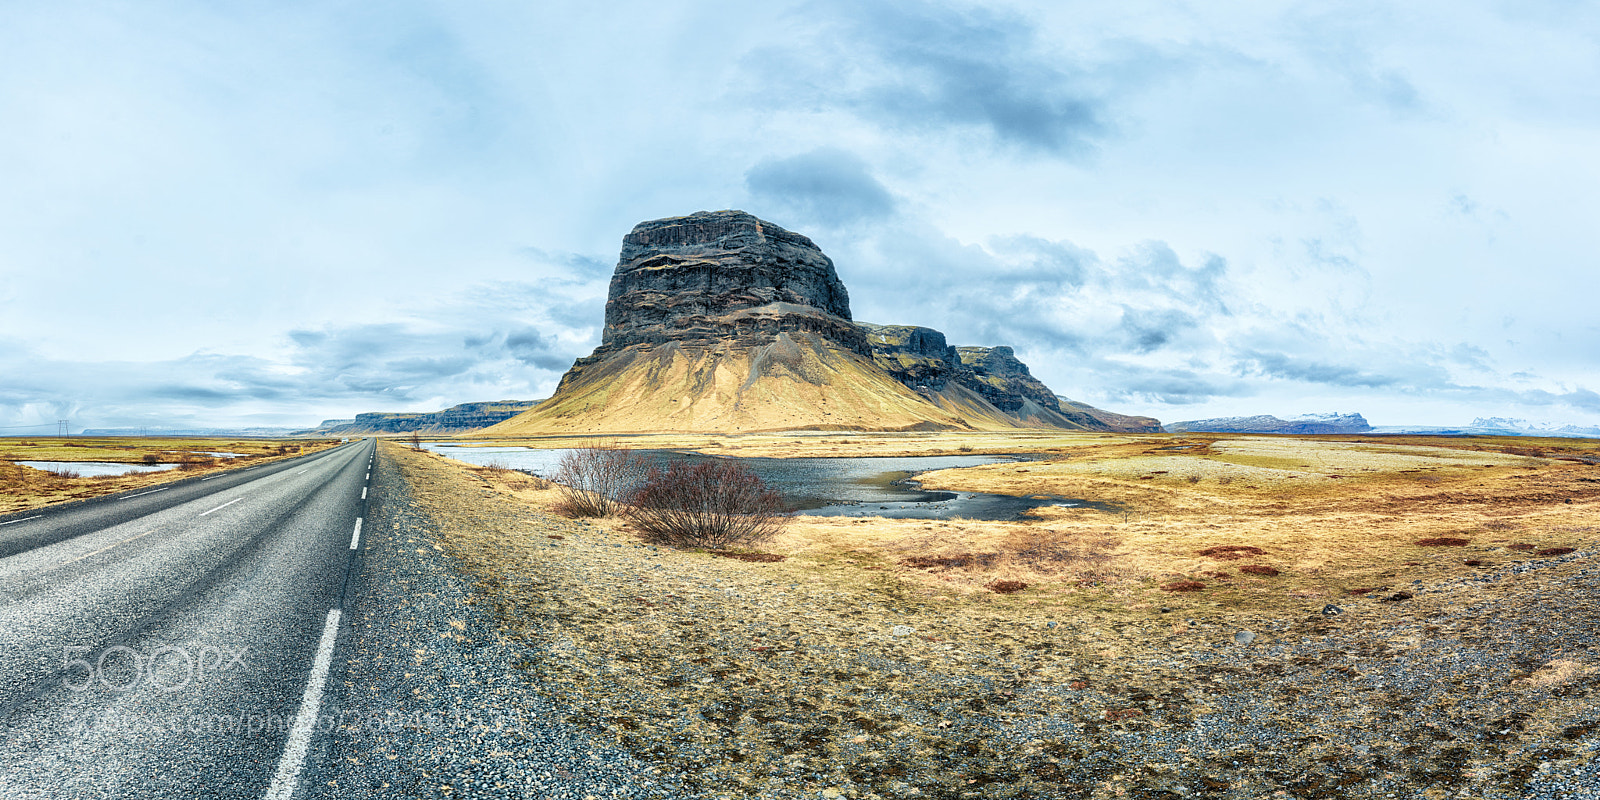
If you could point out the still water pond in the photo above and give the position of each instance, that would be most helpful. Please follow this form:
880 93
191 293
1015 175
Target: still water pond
95 469
854 487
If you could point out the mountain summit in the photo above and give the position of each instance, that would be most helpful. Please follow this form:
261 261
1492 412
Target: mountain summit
722 322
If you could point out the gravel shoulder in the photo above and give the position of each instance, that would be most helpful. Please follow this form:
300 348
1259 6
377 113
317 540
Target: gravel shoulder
433 699
808 679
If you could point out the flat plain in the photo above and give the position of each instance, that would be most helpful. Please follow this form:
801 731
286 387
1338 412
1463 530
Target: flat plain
23 487
1318 616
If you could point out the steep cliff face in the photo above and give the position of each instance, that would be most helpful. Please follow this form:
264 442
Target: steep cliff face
719 321
723 277
984 382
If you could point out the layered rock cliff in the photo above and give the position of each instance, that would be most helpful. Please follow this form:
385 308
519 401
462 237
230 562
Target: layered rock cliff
723 277
719 321
921 359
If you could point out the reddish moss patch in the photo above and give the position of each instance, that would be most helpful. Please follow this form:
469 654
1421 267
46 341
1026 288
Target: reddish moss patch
1115 714
553 536
755 558
953 560
1005 587
1473 562
1260 569
1364 591
1183 586
1441 541
1520 546
1230 552
1556 551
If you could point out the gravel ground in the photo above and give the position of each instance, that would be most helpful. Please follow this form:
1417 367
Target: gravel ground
779 681
433 700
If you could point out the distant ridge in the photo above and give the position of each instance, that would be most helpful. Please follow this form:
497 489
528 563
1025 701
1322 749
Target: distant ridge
455 419
722 322
1266 423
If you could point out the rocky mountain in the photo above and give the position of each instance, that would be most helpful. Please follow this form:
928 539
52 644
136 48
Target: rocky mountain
969 377
455 419
719 321
1266 423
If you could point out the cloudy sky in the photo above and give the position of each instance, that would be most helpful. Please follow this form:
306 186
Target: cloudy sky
277 212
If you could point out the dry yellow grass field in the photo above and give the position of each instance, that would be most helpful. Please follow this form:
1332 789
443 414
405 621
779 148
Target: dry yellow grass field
1328 515
23 487
878 659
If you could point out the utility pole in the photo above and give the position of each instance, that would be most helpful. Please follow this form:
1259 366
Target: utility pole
61 428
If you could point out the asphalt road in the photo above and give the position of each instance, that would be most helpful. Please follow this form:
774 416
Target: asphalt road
173 642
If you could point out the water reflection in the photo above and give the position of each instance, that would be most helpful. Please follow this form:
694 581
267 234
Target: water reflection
867 486
95 469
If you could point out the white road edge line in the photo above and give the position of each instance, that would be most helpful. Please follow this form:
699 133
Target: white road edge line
15 521
142 494
203 480
305 722
355 538
224 505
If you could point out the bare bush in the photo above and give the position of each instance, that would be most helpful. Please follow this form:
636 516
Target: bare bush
717 504
596 481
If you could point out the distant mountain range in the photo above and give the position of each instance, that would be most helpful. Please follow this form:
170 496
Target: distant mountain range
1355 423
248 433
455 419
1498 426
1266 423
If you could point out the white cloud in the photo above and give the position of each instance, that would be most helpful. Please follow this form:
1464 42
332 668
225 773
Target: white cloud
246 212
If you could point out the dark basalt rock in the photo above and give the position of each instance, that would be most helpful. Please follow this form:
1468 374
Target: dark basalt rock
921 359
1003 380
917 357
723 278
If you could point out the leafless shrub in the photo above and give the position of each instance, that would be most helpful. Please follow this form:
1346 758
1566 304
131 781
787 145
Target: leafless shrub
65 472
151 458
1259 569
966 448
716 504
1501 525
416 440
596 481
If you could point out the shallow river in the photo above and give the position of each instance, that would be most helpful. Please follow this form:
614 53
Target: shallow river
95 469
855 487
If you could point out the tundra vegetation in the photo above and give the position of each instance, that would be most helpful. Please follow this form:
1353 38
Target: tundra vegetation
23 487
882 653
